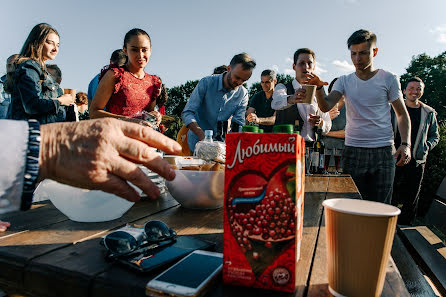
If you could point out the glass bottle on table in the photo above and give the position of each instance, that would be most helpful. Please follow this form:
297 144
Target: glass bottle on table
320 146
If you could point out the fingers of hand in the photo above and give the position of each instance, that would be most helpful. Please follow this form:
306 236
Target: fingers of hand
151 137
4 226
128 171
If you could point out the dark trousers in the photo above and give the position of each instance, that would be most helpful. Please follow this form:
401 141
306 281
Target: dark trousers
406 190
372 170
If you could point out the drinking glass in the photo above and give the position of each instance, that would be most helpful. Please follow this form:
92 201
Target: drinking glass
327 156
337 157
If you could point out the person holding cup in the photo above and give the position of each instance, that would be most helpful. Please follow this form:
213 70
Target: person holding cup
293 106
35 93
369 155
127 92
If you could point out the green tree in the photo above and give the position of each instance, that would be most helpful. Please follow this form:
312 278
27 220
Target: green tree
433 72
178 97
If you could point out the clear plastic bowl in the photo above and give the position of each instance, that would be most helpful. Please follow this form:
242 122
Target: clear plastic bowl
82 205
198 189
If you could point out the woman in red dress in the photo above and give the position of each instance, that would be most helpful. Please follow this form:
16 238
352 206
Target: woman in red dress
126 92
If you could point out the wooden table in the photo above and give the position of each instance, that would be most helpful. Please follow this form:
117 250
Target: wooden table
46 254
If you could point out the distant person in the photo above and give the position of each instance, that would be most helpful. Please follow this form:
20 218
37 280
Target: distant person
92 155
424 137
161 100
55 72
369 154
6 87
259 107
36 95
217 98
118 57
82 106
288 105
220 69
126 91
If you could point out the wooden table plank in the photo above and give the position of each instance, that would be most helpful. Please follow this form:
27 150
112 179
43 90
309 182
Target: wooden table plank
44 260
414 280
40 215
429 252
119 281
22 249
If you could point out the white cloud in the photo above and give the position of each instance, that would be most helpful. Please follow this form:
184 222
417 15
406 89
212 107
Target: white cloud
440 33
289 71
288 60
344 65
275 68
318 69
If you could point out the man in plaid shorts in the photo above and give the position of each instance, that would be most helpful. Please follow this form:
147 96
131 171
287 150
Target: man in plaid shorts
369 155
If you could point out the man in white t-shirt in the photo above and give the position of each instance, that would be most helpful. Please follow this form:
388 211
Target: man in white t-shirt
369 148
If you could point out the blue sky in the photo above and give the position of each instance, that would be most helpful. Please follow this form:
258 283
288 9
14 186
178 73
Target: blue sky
190 38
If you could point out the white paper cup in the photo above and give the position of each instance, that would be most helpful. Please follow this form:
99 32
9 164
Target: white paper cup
359 239
310 92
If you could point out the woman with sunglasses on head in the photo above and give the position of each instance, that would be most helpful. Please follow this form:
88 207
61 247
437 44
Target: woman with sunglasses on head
35 94
127 91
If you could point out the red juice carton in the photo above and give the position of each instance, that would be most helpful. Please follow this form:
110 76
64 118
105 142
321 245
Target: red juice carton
263 209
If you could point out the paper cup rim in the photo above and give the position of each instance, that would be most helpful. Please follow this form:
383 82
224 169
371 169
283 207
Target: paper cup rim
361 207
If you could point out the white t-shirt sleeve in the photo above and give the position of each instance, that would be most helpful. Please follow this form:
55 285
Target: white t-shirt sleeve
394 88
339 85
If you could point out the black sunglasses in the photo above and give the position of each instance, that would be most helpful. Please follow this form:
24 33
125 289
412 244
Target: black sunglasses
129 239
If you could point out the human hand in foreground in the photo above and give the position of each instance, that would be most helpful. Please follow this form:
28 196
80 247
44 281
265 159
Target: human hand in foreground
404 153
313 79
4 226
252 118
101 155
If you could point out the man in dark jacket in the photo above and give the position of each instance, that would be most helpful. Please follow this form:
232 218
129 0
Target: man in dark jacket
425 136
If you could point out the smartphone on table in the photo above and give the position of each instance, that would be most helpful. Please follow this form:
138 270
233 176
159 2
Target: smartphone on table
189 277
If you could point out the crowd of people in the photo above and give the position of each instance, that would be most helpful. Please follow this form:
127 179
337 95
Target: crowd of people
364 114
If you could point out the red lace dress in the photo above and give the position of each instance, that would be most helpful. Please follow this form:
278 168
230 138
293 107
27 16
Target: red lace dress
131 95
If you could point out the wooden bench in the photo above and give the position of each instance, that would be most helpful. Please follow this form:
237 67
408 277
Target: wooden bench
436 214
428 251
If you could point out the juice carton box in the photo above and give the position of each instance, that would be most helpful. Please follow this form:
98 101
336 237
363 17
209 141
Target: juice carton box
263 209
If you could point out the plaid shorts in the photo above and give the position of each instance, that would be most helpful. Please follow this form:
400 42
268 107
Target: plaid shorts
372 170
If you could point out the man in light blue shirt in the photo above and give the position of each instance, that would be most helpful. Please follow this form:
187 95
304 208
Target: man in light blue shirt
217 98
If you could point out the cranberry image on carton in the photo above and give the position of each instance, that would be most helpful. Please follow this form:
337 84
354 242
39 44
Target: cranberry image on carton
263 209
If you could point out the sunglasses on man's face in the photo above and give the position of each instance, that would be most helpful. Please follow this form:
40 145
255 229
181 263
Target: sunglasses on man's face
129 239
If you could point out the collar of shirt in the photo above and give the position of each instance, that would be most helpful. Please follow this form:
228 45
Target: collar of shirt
296 84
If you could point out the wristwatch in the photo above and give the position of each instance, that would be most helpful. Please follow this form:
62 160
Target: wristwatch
406 144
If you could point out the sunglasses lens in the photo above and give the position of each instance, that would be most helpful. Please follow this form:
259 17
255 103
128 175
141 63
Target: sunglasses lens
120 242
157 231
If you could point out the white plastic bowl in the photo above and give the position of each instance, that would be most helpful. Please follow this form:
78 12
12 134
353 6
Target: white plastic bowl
198 189
82 205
